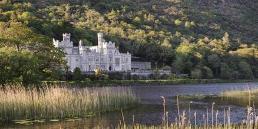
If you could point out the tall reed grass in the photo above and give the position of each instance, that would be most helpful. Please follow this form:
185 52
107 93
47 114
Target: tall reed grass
55 102
243 97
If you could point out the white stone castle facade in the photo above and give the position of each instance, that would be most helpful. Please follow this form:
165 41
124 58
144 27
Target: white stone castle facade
104 56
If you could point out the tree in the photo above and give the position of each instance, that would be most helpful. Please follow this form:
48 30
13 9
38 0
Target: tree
22 39
19 66
185 57
77 74
225 71
207 72
196 73
26 16
214 61
225 41
220 46
67 11
17 35
113 15
166 43
245 70
137 19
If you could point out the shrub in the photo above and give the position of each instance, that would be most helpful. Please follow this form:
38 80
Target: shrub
77 75
118 75
196 73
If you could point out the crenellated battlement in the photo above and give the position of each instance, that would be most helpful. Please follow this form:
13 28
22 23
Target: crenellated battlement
105 55
66 37
65 43
109 45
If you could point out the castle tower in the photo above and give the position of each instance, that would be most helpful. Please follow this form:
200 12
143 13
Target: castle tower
67 40
100 39
80 43
67 37
81 47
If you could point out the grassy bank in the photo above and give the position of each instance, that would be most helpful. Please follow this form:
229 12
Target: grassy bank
147 82
54 102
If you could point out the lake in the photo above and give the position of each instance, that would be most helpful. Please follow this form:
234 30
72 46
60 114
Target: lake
150 109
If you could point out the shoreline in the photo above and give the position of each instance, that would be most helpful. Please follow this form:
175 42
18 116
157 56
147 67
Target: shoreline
106 83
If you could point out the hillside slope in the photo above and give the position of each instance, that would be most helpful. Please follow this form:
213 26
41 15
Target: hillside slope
192 36
213 17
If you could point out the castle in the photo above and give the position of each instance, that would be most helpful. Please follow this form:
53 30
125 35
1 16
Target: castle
104 56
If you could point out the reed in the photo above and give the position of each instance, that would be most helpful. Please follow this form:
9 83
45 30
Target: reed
244 97
182 120
55 102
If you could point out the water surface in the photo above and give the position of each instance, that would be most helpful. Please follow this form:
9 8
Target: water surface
150 110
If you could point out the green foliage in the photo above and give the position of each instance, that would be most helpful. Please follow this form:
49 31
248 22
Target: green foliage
26 56
18 66
178 22
16 35
225 71
214 61
77 74
245 70
188 24
193 23
163 32
185 57
207 72
166 43
196 73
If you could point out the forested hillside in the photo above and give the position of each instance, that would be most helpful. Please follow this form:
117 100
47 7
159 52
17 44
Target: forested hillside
202 38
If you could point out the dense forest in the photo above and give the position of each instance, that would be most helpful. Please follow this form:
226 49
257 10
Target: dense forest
201 38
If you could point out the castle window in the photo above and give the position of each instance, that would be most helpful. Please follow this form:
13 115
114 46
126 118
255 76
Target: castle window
117 61
103 66
123 67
